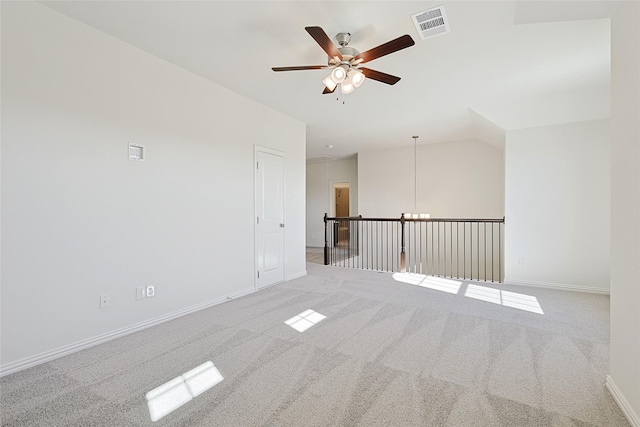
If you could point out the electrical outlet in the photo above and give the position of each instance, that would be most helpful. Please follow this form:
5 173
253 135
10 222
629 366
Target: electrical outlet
519 261
151 291
105 300
140 292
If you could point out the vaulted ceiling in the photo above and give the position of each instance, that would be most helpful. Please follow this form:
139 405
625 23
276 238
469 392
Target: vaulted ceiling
503 65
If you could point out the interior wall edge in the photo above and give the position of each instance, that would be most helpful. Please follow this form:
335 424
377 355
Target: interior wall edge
622 402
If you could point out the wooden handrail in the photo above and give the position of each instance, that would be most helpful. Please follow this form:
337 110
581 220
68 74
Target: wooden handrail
360 218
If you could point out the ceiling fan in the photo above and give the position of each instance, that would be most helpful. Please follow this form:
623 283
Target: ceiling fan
345 61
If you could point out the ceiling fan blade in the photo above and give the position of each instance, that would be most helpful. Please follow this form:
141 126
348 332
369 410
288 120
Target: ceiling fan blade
324 41
395 45
299 68
326 90
379 76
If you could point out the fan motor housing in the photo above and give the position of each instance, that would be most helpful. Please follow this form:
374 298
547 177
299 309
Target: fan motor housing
343 38
348 51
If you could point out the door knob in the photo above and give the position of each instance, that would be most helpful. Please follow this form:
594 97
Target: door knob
281 225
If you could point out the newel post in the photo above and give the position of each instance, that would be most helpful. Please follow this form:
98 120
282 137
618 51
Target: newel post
326 247
403 259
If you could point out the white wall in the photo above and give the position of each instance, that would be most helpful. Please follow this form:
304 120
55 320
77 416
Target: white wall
557 206
320 177
80 220
624 372
455 179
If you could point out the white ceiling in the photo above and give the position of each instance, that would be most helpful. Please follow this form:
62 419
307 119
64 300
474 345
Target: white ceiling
503 66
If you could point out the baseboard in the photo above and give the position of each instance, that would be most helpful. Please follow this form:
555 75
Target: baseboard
103 338
622 402
296 275
558 286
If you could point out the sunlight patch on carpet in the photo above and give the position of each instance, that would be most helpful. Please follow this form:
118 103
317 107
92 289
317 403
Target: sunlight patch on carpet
435 283
305 320
505 298
171 395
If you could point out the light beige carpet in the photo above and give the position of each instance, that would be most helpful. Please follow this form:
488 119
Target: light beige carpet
389 353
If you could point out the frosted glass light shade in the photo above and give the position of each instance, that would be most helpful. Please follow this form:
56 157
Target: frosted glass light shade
338 74
357 77
347 86
329 83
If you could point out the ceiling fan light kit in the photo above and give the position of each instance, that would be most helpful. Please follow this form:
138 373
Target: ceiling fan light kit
344 61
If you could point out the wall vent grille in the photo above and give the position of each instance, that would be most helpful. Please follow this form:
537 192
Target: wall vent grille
136 152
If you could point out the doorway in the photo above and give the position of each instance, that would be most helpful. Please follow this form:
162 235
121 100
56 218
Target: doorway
341 209
341 197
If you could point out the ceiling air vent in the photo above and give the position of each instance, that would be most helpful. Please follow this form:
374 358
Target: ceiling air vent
431 22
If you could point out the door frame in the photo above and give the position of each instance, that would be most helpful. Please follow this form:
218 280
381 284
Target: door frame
261 149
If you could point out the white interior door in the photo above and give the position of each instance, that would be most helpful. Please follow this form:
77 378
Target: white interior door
269 218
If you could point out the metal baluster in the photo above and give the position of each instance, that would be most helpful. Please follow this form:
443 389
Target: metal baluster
478 244
426 247
500 252
330 237
360 243
380 242
421 253
331 247
365 249
386 230
464 250
415 246
434 268
484 247
379 245
371 244
457 250
340 237
334 256
471 247
348 242
439 249
493 251
403 260
451 250
374 255
444 241
393 246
